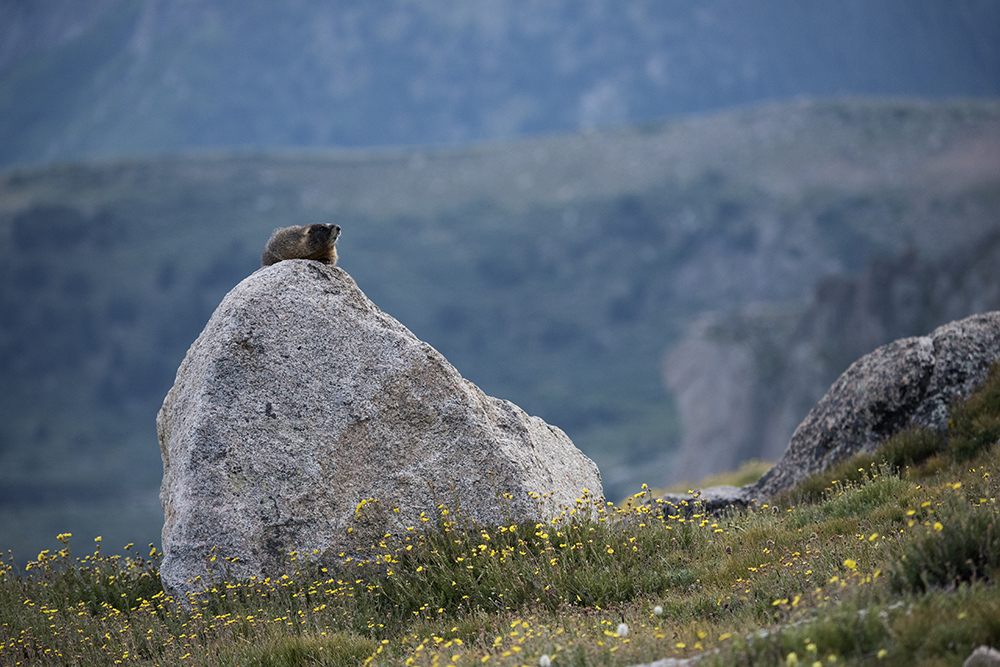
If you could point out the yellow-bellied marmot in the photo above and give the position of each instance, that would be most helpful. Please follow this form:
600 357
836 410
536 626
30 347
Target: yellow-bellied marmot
302 242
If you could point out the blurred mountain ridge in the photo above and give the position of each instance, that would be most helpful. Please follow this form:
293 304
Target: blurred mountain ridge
112 78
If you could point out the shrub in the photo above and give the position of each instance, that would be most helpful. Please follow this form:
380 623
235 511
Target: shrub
963 547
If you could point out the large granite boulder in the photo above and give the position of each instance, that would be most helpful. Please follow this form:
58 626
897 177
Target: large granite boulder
911 381
301 401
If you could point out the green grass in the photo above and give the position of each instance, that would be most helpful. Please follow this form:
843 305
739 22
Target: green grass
897 566
748 473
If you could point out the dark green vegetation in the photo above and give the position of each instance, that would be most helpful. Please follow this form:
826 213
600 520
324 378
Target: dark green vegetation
898 567
553 272
123 77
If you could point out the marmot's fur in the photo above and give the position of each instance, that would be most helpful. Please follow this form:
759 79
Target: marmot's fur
302 242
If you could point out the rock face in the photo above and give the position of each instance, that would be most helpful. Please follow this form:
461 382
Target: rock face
301 399
984 656
912 381
712 384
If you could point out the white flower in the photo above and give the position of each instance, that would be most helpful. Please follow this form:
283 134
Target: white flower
622 630
544 661
657 610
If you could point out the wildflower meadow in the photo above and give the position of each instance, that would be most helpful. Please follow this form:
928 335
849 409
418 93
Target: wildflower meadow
890 558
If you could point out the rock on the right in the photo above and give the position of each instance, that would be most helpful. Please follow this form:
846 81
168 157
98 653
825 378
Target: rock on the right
984 656
909 382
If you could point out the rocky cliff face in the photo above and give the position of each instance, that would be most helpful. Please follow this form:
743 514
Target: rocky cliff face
745 381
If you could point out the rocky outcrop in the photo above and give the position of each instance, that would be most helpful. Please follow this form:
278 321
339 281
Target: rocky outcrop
743 382
911 381
301 401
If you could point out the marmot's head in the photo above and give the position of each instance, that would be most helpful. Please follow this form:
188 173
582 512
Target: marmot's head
321 236
303 242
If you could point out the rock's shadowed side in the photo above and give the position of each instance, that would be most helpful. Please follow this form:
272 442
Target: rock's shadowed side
300 400
911 381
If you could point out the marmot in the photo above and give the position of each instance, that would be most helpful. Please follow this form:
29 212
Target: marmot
302 242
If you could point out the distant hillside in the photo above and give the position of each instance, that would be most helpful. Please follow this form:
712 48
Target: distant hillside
554 272
130 77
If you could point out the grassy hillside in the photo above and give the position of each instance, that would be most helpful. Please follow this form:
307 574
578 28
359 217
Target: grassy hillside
893 558
552 272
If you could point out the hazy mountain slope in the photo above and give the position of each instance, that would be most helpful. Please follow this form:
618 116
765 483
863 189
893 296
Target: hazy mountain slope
552 272
129 77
